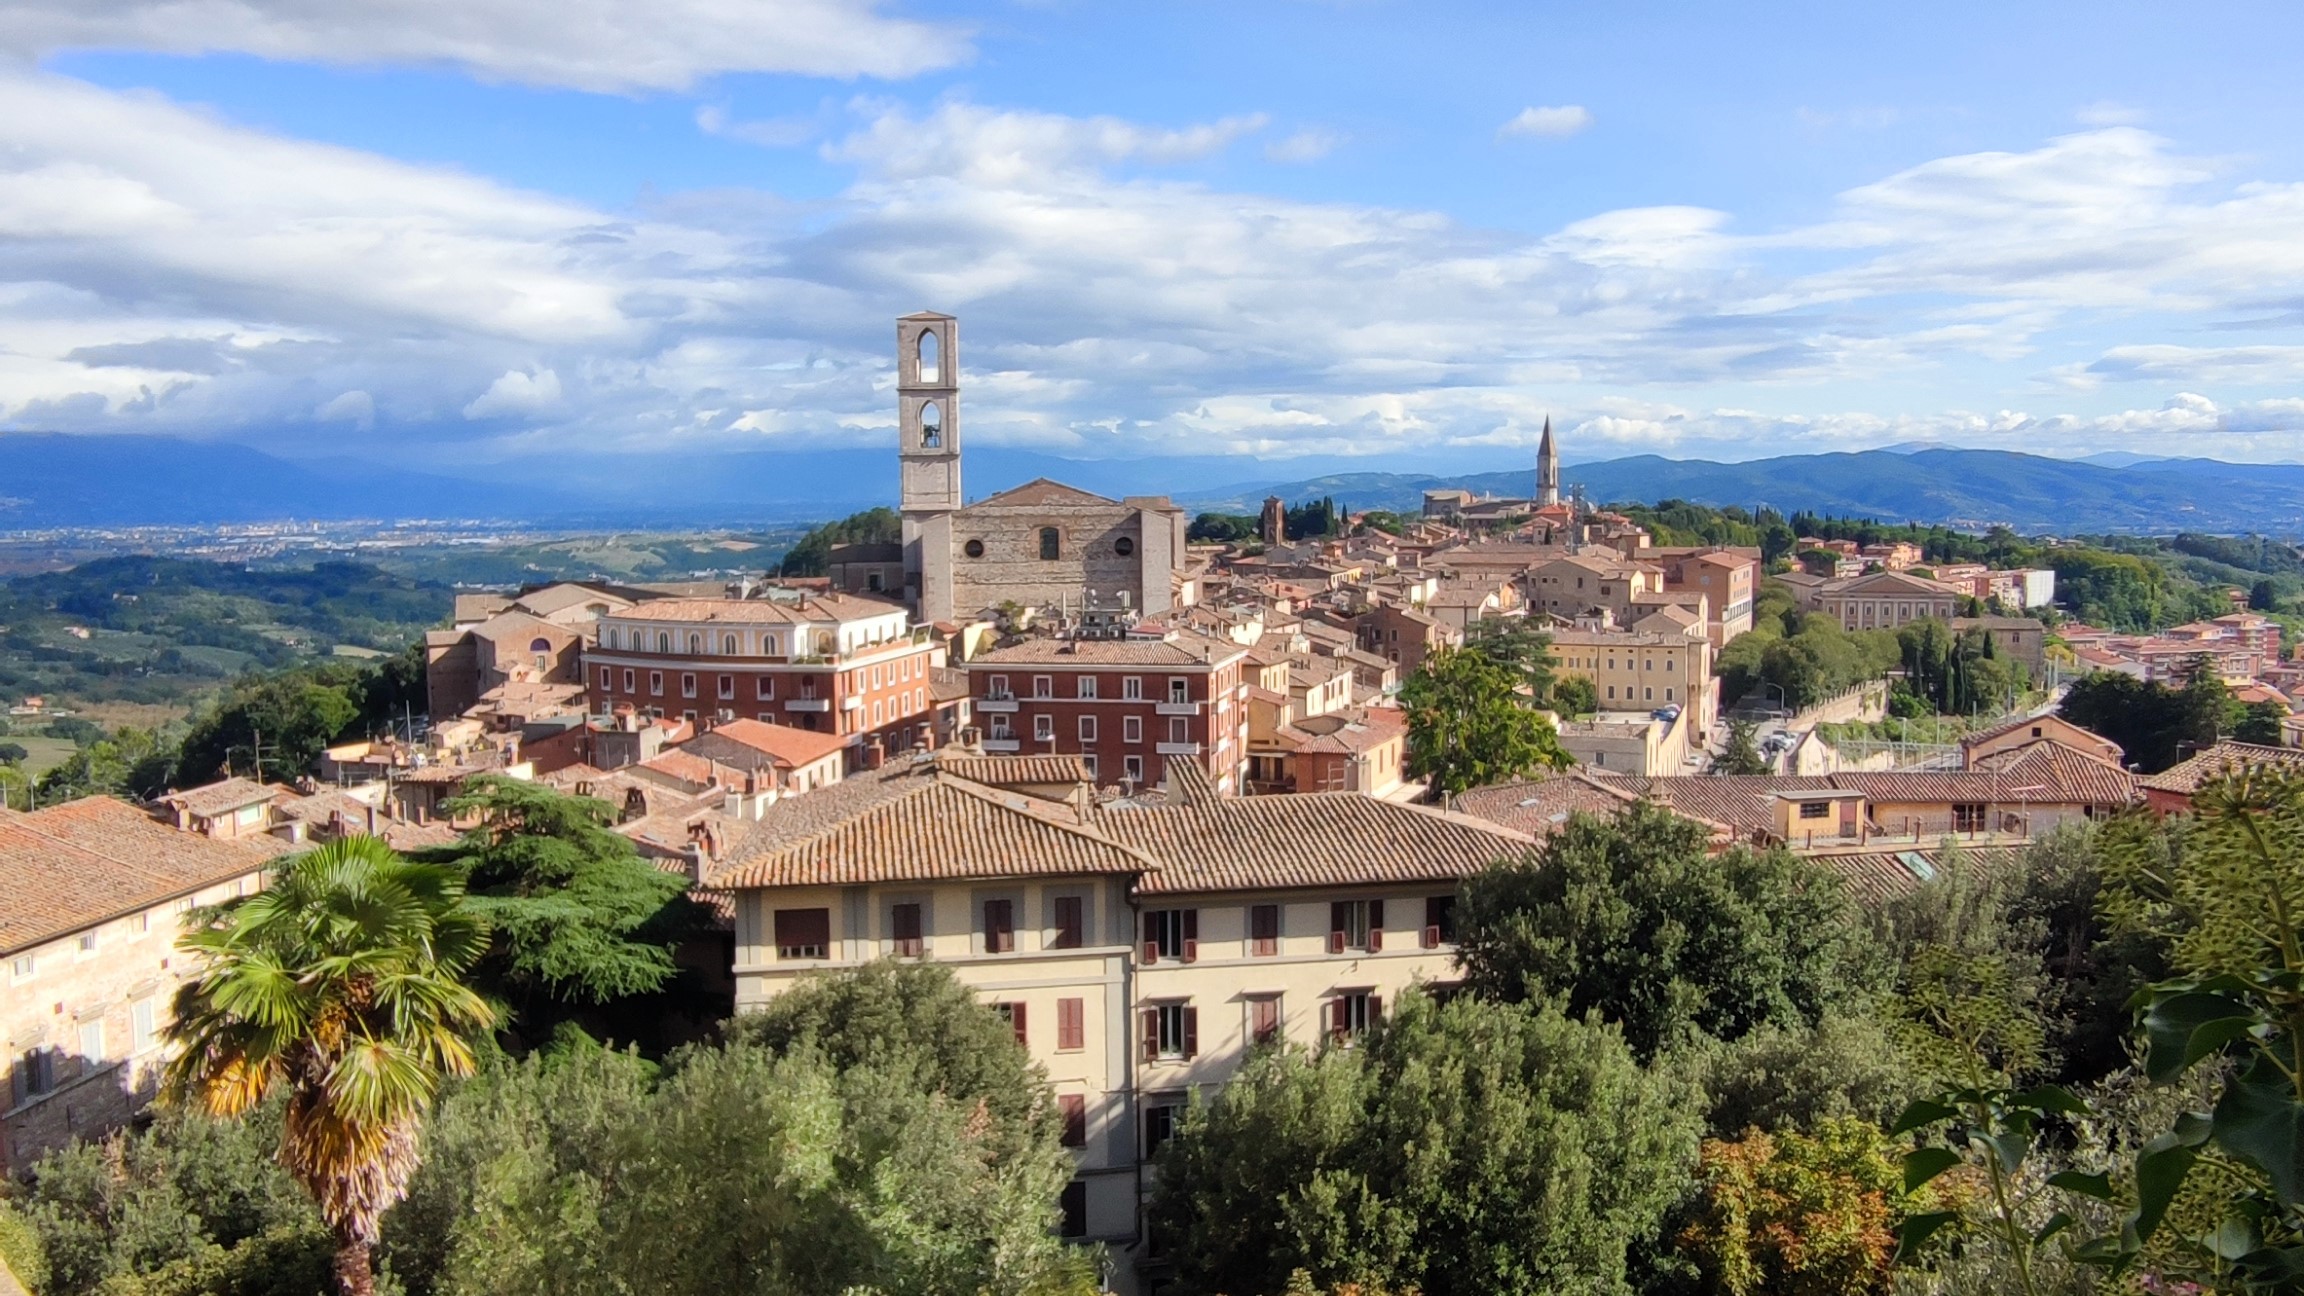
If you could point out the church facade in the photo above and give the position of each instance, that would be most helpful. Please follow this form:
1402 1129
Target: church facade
1040 545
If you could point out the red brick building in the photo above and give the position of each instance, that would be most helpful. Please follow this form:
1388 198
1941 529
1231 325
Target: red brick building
832 663
1125 706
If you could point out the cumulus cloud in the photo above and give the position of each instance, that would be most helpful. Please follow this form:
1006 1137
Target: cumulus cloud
1548 123
516 392
602 45
776 132
172 272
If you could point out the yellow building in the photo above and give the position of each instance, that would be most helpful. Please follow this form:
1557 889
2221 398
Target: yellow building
1138 949
1642 670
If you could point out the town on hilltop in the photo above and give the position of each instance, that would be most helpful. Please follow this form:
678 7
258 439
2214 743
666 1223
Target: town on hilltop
1164 791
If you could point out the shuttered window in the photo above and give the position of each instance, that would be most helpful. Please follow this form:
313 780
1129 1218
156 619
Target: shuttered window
1071 1024
1264 930
1264 1019
904 922
803 933
1014 1014
999 926
1068 924
1074 1110
1171 1032
1355 925
1171 934
1439 920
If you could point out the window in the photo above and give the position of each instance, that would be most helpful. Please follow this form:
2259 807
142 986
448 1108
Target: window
999 926
1179 689
768 646
1071 1025
628 677
1088 763
1179 731
1044 728
656 683
1132 688
1073 1109
91 1043
87 942
1350 1015
22 966
1051 544
1132 768
1043 686
728 686
728 645
1968 818
1815 809
1264 930
663 642
1160 1124
1263 1019
143 1031
1067 924
1171 934
996 688
607 679
1014 1015
1171 1032
904 927
1072 1203
1085 686
36 1072
1087 729
1355 924
1439 921
765 687
974 548
803 933
695 645
1132 729
1124 546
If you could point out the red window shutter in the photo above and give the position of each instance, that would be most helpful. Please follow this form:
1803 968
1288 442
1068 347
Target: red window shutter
1431 938
1336 942
1264 925
1340 1018
1375 938
1375 921
1151 951
1191 935
1375 1009
1339 918
1068 922
1151 1034
1016 1019
1151 938
1074 1110
1191 1031
1071 1023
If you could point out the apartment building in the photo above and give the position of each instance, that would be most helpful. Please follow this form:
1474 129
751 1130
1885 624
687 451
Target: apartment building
1580 584
93 894
1728 579
1128 708
835 663
1642 670
1137 950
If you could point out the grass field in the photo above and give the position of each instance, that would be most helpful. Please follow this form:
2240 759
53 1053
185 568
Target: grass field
45 753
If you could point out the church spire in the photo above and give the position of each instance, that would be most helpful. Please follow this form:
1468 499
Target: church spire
1547 468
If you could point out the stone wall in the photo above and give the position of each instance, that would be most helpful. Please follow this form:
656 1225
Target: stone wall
1090 541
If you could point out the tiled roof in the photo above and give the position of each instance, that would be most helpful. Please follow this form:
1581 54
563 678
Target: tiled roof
734 741
1184 648
908 822
80 863
1744 802
1875 876
1013 771
1540 807
216 798
1204 842
2186 776
1041 492
816 607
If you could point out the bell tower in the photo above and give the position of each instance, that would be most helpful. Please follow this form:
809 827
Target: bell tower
928 455
1547 469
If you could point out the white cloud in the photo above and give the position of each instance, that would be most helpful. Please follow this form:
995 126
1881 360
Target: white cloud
516 392
168 271
603 45
355 407
2104 112
1548 123
1308 145
777 132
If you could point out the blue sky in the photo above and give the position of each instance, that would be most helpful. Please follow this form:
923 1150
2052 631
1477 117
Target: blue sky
530 233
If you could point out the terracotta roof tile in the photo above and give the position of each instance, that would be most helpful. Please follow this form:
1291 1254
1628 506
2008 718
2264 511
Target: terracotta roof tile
80 863
2186 776
215 798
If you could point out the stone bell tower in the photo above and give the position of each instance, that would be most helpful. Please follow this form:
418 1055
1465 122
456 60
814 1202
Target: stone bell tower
928 456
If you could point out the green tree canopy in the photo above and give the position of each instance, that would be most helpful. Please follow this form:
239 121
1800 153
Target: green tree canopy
1743 753
812 555
1476 1149
1521 648
577 917
2155 725
1632 918
1575 695
1468 727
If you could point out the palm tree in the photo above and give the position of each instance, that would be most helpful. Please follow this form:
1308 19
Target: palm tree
341 985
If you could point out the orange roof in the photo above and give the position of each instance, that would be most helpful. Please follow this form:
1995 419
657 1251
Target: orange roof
788 746
77 864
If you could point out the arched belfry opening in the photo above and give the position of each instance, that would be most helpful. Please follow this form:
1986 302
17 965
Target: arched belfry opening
931 427
926 362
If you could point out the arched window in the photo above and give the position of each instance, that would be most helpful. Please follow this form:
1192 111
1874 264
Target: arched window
1051 544
930 363
540 645
614 638
768 645
931 426
695 643
728 645
663 642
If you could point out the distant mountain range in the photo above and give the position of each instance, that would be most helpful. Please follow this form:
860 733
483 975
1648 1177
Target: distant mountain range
49 480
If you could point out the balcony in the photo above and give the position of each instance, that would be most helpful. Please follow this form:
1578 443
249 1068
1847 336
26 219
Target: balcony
809 704
1002 745
1177 708
1005 704
852 703
1177 749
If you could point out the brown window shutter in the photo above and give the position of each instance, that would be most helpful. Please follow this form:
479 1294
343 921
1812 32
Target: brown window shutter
1375 1009
1191 935
1151 938
1375 919
1016 1019
1191 1031
1074 1110
1071 1021
1151 1034
1068 922
1336 942
1264 925
1339 918
906 920
1431 938
1340 1018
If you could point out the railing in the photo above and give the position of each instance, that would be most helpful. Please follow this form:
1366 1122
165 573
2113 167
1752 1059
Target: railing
1177 708
809 704
1177 749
